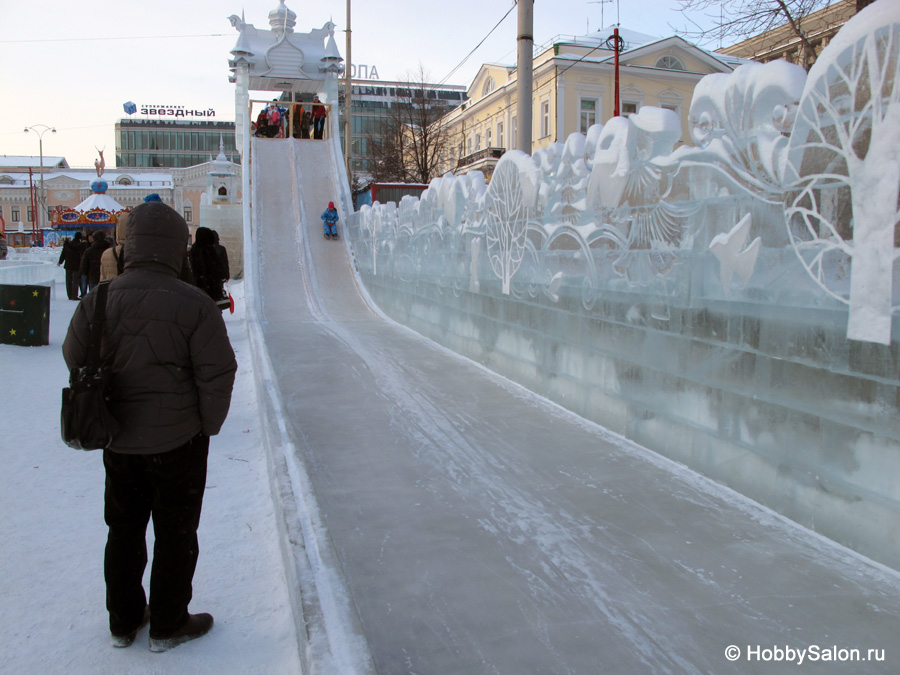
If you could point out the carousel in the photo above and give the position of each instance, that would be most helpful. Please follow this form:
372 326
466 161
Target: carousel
97 212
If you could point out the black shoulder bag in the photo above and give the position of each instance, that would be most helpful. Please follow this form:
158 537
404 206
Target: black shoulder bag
85 420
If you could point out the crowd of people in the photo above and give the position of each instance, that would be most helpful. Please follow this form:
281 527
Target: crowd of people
307 120
95 258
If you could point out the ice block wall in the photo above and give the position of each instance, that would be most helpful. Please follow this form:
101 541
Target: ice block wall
731 304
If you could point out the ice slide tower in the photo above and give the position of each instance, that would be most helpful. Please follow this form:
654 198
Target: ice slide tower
281 60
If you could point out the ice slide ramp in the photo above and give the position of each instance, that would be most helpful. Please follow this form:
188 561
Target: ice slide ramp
442 520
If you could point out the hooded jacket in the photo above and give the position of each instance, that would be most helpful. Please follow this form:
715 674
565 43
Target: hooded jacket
165 344
109 264
206 264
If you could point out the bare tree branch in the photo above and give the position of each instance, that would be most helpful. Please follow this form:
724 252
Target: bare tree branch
409 144
731 21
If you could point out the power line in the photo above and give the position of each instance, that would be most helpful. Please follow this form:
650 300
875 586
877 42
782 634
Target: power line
97 39
460 64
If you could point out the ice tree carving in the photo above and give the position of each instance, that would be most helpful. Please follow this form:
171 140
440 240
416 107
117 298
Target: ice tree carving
844 165
512 191
571 182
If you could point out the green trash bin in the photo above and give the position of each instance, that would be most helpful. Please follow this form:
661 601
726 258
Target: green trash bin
24 315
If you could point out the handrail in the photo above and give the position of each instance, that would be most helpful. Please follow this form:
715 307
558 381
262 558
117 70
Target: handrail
487 153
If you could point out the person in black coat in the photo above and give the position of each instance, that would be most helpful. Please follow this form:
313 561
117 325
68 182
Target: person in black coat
90 261
171 368
206 265
223 256
70 257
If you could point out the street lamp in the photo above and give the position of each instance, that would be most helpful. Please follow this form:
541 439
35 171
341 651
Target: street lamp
40 130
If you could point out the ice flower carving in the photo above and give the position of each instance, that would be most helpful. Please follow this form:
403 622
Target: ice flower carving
738 121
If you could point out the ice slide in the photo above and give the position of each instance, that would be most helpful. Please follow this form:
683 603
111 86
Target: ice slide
439 519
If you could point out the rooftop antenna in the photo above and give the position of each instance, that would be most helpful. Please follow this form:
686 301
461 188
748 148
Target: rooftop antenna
601 3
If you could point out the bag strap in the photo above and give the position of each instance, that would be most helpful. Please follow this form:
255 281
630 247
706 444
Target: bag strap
120 259
93 353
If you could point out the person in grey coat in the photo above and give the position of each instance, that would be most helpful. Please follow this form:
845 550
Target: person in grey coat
172 371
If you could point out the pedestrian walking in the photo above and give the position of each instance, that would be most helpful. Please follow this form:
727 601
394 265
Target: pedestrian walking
206 265
70 259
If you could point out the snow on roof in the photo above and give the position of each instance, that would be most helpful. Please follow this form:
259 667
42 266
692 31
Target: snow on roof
28 160
632 38
100 201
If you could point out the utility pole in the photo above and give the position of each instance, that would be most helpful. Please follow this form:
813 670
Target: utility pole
348 106
43 200
525 73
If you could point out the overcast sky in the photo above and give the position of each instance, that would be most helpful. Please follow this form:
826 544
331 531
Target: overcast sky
73 65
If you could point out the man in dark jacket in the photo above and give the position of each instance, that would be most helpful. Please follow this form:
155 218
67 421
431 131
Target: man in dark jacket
90 259
172 371
70 258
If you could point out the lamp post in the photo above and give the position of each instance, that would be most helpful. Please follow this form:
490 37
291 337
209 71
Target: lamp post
40 130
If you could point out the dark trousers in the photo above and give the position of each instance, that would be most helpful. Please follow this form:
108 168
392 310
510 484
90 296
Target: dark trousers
169 488
73 283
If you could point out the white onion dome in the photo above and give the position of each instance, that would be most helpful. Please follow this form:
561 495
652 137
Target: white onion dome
282 20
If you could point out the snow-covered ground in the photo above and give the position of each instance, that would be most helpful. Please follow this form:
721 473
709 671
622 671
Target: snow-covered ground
52 615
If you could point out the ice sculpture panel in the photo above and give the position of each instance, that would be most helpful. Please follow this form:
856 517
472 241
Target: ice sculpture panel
807 165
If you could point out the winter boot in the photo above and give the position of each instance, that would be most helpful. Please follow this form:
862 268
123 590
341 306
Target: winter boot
127 639
197 625
327 236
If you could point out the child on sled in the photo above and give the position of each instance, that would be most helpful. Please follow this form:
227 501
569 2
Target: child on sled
330 218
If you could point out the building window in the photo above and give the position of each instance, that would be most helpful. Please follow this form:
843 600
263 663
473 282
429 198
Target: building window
489 86
588 114
14 214
670 100
188 216
514 132
487 138
29 213
669 63
500 138
477 142
629 108
545 118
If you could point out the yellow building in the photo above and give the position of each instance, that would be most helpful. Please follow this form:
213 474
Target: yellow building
783 43
573 89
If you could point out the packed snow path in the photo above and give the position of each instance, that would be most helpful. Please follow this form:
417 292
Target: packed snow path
480 529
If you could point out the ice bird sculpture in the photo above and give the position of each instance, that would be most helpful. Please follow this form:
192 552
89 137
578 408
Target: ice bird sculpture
734 259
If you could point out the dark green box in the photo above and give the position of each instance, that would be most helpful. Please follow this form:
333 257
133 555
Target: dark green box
24 315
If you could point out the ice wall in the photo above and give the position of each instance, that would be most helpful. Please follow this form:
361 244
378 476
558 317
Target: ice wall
731 304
